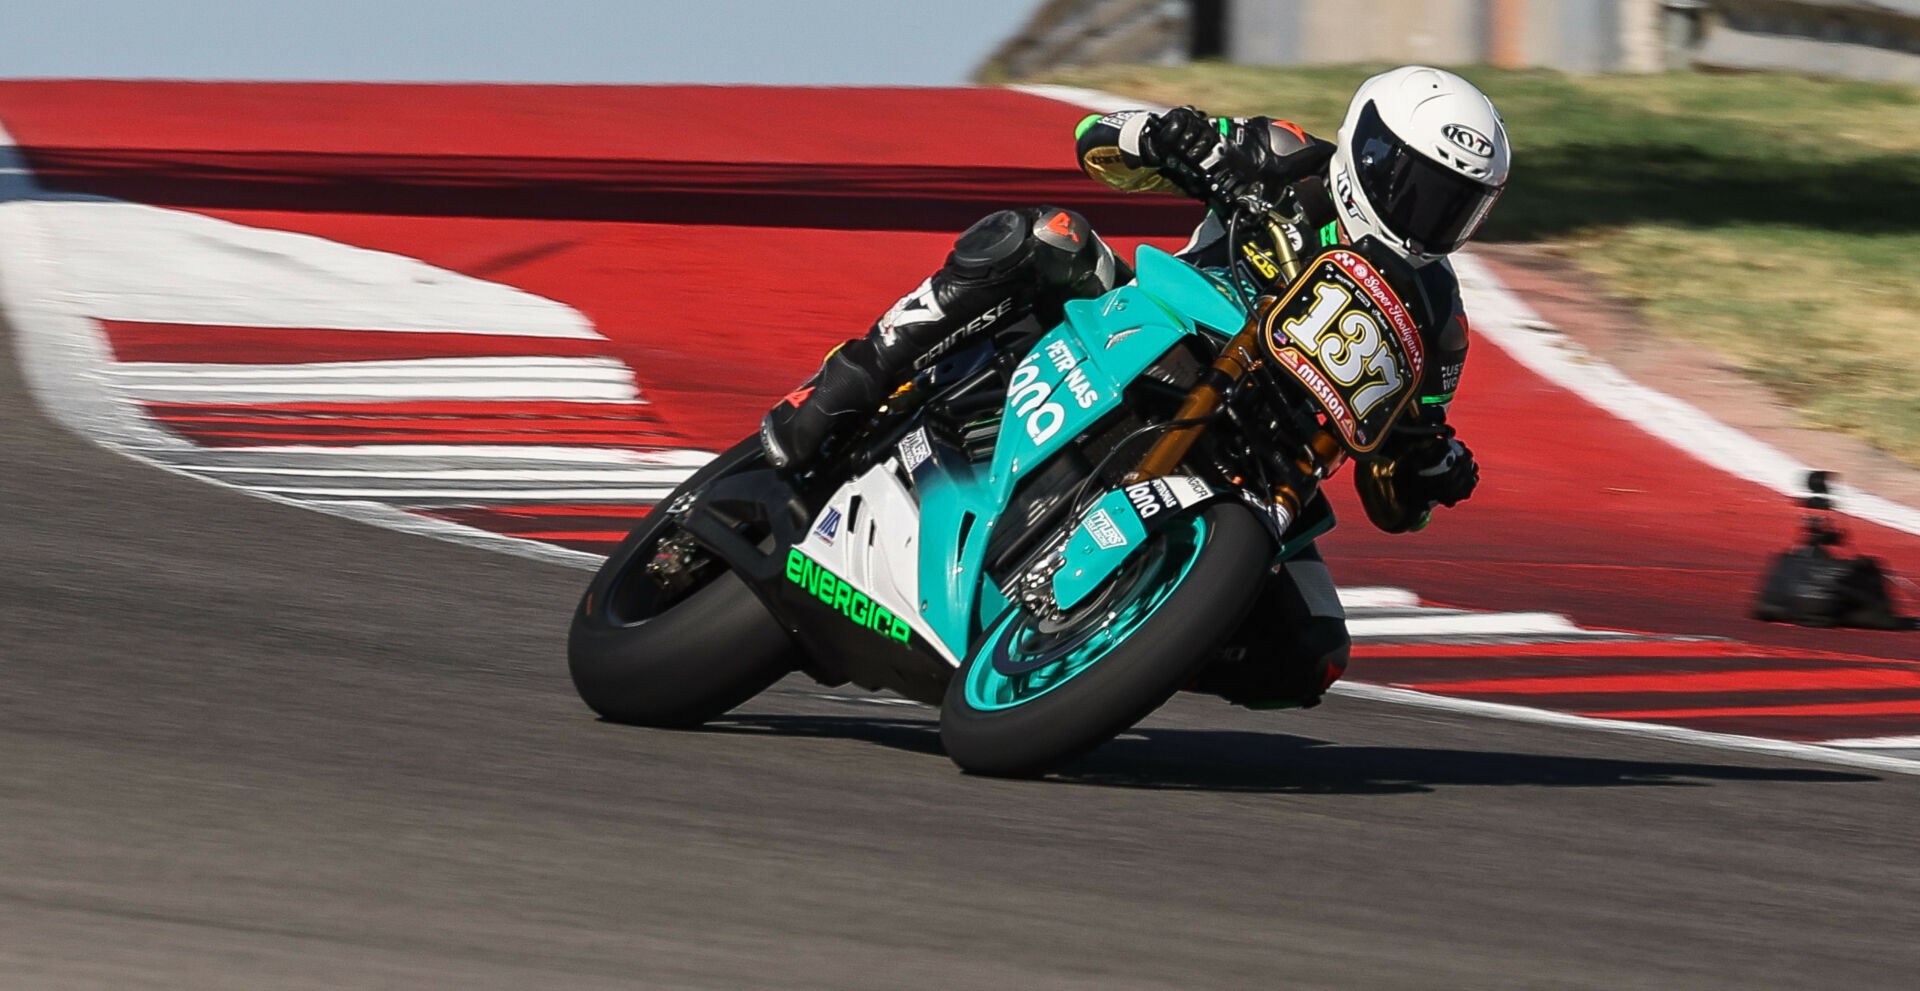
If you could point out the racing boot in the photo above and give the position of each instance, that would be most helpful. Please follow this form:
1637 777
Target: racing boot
991 279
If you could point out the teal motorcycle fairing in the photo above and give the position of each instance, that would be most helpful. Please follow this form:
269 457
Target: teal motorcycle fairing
1074 375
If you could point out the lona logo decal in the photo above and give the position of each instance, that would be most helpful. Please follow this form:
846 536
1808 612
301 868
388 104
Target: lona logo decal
844 598
1031 399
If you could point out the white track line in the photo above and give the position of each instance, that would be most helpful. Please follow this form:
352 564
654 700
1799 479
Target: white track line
1468 624
1818 753
1875 743
1503 318
1378 597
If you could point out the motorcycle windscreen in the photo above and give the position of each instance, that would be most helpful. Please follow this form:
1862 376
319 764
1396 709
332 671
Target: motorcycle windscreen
1348 340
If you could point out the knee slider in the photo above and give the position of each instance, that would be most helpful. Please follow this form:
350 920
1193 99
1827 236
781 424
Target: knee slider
994 245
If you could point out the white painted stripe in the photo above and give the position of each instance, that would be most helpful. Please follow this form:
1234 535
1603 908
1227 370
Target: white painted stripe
526 379
61 351
241 394
1471 624
281 456
1656 731
1876 743
552 476
638 496
1377 597
1098 101
394 518
130 261
518 366
1509 322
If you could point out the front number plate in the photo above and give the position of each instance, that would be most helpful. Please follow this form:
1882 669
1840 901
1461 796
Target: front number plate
1344 336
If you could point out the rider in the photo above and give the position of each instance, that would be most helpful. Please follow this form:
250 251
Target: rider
1418 162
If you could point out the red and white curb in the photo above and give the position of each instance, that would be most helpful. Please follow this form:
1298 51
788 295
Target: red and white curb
188 286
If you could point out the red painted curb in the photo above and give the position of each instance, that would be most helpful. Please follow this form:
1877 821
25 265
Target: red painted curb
840 158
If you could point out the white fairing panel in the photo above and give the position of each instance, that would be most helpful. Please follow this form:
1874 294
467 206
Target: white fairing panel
869 535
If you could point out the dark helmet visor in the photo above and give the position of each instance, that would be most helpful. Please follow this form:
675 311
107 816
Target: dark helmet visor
1433 207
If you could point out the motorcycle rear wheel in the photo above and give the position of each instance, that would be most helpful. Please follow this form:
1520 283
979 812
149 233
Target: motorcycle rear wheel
645 654
1079 684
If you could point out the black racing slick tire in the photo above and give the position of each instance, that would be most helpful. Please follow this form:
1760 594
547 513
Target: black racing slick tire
642 655
1184 599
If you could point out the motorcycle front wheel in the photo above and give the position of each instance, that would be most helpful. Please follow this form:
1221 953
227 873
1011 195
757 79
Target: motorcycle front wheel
1035 693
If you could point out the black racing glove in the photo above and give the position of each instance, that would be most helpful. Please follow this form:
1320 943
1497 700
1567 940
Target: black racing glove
1188 148
1434 471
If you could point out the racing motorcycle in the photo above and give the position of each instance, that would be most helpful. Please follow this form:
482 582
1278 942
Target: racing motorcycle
1046 537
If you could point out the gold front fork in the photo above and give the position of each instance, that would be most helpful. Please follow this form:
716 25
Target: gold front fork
1241 355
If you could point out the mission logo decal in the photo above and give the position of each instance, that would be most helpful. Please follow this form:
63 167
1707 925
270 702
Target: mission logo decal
844 599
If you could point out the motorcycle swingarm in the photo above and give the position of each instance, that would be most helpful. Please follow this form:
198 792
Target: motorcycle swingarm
749 520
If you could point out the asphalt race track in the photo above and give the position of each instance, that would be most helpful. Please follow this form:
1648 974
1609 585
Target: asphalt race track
252 746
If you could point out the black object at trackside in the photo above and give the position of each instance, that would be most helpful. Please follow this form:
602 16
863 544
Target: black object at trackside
1811 586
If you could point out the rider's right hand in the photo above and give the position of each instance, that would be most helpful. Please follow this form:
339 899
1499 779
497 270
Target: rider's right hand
1187 148
1219 168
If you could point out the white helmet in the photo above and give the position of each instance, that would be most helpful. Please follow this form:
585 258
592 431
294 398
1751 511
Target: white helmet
1422 157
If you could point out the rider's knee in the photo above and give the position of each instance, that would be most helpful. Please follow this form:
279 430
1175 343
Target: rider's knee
1068 254
996 245
1046 245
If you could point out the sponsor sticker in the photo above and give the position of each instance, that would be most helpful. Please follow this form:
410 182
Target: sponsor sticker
1311 377
1383 297
1187 490
1104 531
1165 494
1040 404
918 306
829 526
915 450
1343 191
1262 263
843 598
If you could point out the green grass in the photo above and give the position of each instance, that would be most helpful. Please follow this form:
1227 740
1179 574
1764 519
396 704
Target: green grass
1774 219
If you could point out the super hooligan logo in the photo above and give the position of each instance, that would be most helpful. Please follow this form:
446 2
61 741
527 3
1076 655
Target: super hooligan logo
844 598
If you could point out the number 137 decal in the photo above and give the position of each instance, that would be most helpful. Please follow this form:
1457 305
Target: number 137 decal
1348 339
1349 345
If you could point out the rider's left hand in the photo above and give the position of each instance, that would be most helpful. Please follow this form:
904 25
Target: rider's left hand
1436 471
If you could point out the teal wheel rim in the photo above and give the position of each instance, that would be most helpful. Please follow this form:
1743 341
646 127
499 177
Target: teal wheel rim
1017 633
